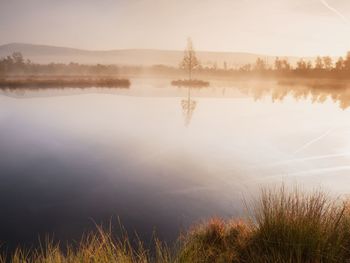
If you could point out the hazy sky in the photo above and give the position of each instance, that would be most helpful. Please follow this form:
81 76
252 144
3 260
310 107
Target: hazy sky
276 27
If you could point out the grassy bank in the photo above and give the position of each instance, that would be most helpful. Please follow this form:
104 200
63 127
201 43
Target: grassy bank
63 81
281 226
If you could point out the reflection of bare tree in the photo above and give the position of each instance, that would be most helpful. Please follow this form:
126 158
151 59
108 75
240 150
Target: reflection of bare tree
188 106
318 92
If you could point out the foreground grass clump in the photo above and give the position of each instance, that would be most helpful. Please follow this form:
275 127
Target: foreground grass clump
100 247
282 226
297 227
215 241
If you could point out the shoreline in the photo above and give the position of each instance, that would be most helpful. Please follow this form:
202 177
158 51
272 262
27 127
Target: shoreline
281 226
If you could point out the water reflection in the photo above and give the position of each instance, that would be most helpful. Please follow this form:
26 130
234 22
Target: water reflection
318 91
66 160
188 106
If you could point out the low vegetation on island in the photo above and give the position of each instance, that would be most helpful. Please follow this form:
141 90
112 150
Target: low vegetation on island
281 226
63 81
190 83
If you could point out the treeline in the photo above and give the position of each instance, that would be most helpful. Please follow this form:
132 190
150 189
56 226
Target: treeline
321 67
16 64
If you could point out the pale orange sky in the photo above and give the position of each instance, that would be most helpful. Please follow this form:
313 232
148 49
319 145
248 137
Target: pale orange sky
273 27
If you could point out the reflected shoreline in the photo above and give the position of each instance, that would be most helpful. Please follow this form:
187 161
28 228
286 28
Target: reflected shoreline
318 91
300 89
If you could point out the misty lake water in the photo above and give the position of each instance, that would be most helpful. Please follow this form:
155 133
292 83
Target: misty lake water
160 157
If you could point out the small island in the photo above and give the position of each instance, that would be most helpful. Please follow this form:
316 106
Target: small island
62 82
189 63
190 83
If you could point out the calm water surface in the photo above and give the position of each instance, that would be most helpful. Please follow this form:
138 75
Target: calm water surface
160 157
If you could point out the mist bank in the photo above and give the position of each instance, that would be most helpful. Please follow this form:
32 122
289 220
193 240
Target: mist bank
16 65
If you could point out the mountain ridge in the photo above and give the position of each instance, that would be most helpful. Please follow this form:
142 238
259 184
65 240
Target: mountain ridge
44 54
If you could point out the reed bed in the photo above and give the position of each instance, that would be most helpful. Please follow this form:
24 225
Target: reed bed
60 82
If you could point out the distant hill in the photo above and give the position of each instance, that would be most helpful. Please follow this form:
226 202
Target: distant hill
144 57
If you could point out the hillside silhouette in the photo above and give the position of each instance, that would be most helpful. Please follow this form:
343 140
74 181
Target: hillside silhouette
44 54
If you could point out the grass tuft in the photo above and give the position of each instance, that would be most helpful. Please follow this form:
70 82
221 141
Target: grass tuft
292 226
215 241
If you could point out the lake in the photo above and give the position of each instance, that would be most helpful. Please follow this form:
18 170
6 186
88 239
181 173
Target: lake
161 158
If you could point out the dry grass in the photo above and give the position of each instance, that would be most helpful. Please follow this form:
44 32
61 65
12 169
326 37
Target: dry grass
99 247
291 226
215 241
285 226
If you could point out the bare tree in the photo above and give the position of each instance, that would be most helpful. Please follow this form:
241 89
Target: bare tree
340 64
347 61
328 62
319 63
18 58
278 64
260 65
189 61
